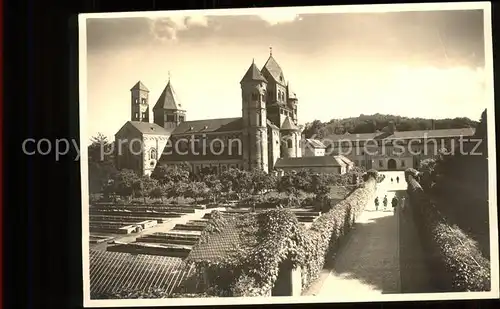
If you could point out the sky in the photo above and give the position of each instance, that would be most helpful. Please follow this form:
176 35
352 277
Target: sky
416 64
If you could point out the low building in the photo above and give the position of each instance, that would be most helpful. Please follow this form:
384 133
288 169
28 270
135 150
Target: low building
323 164
313 148
392 150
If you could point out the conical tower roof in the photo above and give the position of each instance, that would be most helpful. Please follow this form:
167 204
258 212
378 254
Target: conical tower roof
273 68
168 99
139 86
289 125
253 74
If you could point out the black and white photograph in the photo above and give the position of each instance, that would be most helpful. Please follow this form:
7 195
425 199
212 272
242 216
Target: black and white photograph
321 154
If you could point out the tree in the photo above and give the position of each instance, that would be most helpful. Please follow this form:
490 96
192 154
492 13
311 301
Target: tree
158 192
176 173
260 181
144 185
196 190
214 185
176 190
123 183
236 180
101 163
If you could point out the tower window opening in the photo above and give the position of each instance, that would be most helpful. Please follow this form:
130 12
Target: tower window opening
136 115
143 101
153 154
289 143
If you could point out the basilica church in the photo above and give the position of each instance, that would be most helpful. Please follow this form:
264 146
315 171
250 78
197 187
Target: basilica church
266 132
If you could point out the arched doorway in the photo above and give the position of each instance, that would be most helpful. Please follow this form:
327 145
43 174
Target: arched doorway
391 164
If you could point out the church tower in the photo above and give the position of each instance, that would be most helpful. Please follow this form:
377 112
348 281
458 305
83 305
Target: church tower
139 102
168 111
290 139
255 143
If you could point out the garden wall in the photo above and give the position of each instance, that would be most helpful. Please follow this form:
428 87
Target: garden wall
455 262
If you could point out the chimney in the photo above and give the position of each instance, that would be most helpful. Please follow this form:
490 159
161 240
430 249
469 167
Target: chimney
433 125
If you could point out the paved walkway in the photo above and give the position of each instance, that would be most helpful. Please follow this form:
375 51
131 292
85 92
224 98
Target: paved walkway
369 262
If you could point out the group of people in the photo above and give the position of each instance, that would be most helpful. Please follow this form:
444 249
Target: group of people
397 179
394 202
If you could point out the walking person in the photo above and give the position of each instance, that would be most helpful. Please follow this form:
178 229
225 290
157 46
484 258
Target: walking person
397 179
394 203
376 203
385 202
392 180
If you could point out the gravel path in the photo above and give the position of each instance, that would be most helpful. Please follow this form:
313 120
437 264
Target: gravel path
369 261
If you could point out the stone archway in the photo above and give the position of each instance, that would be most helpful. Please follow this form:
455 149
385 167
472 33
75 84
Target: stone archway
391 164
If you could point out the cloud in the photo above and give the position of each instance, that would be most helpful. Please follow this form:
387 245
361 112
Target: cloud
167 28
277 16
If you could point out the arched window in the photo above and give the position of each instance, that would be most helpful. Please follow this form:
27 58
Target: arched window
152 154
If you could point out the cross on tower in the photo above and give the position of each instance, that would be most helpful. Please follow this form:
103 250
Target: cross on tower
169 76
270 51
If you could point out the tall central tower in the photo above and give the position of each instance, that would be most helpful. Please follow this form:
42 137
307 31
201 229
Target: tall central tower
253 95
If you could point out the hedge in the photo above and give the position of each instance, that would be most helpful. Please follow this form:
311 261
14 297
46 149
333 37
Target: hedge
455 261
326 232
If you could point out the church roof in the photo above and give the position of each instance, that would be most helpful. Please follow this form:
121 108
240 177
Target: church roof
145 128
274 70
209 125
288 125
253 74
315 143
139 86
306 162
168 99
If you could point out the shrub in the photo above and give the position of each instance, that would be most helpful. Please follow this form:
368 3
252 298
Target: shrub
455 260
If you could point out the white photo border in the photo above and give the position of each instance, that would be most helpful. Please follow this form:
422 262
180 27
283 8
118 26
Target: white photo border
84 140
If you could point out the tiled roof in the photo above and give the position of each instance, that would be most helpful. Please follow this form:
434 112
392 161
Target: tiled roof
273 68
168 99
253 74
315 143
402 135
305 162
343 160
146 128
116 271
288 124
219 245
434 133
209 125
140 86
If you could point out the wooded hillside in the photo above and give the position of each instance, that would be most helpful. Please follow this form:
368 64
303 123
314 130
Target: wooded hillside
372 123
